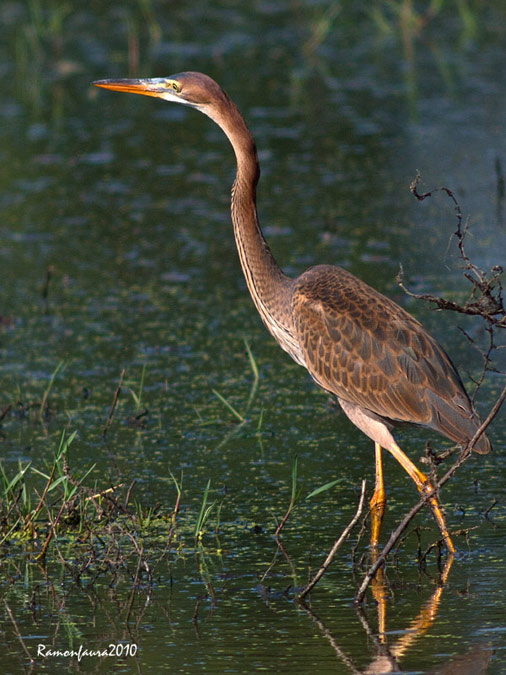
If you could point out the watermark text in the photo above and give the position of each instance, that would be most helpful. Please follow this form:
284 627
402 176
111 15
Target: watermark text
118 650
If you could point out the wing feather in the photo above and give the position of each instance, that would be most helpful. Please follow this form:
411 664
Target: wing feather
365 349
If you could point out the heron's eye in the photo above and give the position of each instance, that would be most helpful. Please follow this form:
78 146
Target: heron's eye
175 86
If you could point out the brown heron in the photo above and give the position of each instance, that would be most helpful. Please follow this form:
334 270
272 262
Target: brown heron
375 358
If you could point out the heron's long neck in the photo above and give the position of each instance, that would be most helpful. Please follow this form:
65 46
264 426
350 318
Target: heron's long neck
270 288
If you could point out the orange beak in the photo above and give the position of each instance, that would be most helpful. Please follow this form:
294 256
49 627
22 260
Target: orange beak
153 87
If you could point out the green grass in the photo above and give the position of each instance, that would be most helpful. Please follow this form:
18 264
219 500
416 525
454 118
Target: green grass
296 492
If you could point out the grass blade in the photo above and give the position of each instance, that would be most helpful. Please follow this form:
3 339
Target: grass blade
322 488
228 405
48 388
205 510
254 369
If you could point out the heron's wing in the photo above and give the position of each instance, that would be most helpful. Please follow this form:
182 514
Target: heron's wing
367 350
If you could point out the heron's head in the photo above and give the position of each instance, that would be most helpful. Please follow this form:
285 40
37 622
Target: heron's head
194 89
197 91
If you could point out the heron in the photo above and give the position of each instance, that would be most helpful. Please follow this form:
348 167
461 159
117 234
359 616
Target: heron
377 360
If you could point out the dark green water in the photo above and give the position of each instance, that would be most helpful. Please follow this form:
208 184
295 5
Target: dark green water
126 200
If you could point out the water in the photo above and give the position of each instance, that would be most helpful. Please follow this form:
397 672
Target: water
125 200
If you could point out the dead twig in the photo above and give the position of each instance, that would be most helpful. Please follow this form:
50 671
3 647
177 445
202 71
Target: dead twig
5 411
18 632
113 404
337 545
44 292
485 299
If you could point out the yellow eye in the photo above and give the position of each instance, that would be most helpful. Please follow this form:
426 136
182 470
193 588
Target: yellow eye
174 85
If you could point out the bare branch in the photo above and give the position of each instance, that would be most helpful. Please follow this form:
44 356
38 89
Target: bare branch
337 545
485 299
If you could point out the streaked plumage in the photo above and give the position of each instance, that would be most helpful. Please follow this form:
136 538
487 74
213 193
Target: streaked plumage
369 352
378 360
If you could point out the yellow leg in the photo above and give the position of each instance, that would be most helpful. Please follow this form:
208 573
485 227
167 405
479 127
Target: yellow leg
424 487
378 500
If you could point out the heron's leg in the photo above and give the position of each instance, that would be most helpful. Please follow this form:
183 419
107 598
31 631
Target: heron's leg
378 500
424 487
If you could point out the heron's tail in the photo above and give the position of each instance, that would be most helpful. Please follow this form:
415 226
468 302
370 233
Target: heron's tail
457 424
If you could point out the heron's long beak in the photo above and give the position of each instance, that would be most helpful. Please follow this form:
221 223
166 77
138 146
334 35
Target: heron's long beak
152 87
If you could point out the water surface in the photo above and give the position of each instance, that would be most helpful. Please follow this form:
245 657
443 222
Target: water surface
125 201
